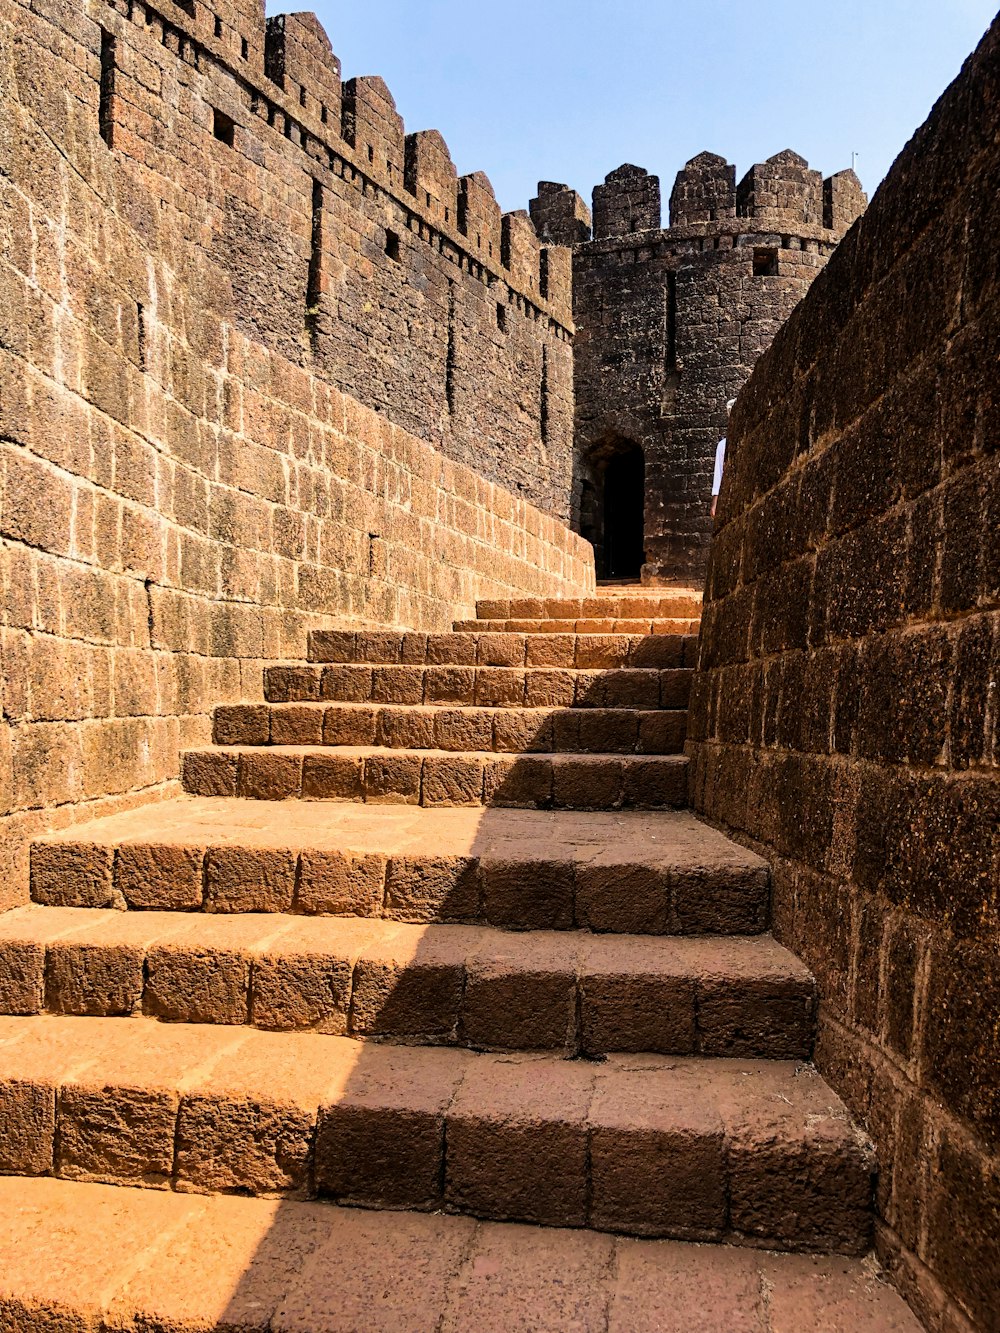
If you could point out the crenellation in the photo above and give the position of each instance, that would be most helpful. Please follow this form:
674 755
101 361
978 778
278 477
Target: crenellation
783 190
431 178
560 215
244 29
285 242
520 251
628 202
300 60
374 129
705 191
843 200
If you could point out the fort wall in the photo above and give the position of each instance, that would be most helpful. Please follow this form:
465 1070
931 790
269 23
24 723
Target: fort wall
846 707
349 245
184 488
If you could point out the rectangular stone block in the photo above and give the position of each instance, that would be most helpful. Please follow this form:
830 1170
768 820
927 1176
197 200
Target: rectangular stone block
405 729
340 883
248 1143
658 1165
380 1142
249 879
187 983
392 779
517 1144
517 781
119 1134
269 775
241 724
96 979
635 999
622 897
69 874
452 780
463 729
397 685
333 777
350 725
594 784
423 887
449 685
346 684
297 725
499 687
160 876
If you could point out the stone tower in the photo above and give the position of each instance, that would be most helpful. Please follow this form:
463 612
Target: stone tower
670 322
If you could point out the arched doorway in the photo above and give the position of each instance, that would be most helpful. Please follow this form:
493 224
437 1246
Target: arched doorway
612 508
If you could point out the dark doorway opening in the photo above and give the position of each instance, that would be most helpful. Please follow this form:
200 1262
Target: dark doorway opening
624 515
612 509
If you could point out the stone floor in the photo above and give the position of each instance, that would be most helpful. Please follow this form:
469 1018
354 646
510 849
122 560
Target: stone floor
75 1256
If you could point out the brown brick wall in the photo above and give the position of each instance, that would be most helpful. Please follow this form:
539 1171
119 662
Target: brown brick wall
846 710
181 497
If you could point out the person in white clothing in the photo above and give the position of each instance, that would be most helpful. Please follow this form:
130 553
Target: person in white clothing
720 462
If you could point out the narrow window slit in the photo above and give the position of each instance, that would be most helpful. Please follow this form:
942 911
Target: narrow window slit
671 321
449 368
105 113
314 283
140 318
392 246
543 415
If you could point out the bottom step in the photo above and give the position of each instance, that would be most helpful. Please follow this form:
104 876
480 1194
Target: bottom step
82 1256
754 1152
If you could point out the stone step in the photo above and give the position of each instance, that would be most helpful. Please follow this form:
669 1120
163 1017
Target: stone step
626 872
437 777
484 687
761 1152
477 648
568 991
632 627
618 605
435 727
77 1255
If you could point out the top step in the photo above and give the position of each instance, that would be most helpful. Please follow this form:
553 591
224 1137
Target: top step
583 626
619 604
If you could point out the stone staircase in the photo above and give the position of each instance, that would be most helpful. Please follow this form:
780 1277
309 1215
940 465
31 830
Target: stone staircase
430 932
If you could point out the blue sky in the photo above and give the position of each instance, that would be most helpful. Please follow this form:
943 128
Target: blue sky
567 90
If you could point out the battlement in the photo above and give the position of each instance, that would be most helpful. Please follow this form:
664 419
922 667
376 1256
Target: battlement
844 200
782 195
783 190
627 202
704 191
560 215
287 74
